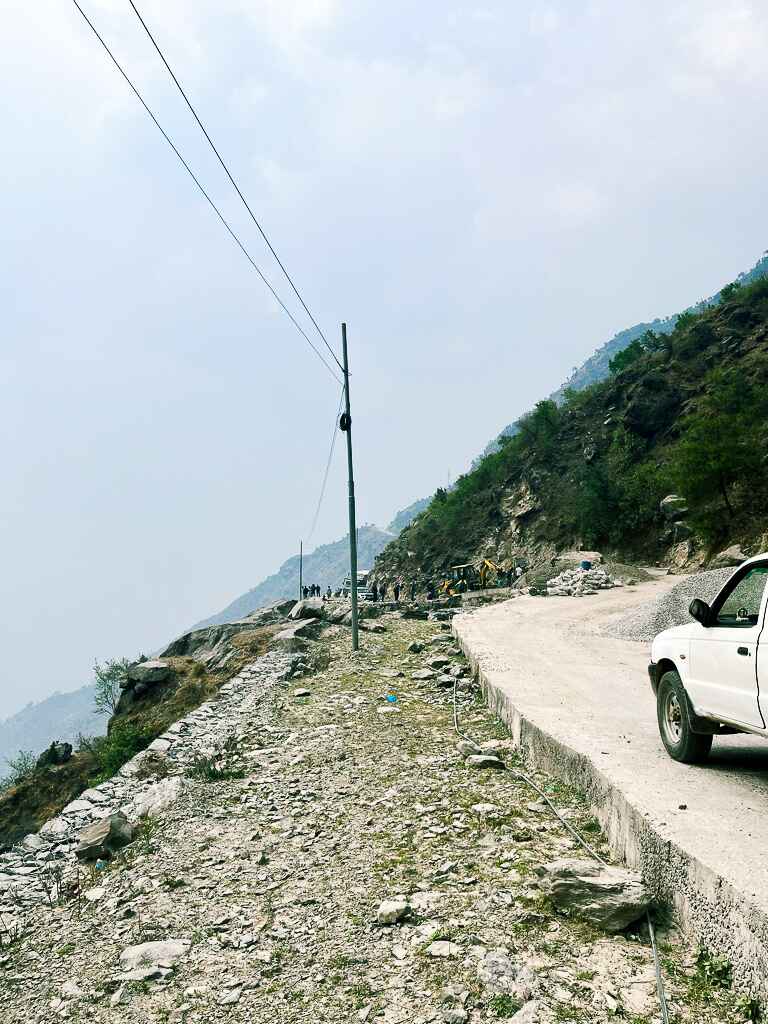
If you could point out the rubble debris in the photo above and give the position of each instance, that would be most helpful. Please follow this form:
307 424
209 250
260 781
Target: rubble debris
581 582
609 897
393 910
104 838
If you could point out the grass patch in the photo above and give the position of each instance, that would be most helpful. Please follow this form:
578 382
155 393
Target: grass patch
504 1005
217 766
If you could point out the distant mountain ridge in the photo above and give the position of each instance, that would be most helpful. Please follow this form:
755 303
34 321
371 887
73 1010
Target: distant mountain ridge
326 566
596 368
62 716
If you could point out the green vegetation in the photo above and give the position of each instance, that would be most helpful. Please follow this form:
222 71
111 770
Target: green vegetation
685 410
719 464
749 1009
504 1005
106 685
111 752
20 768
217 765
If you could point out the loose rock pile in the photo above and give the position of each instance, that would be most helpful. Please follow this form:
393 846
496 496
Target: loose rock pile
581 582
645 621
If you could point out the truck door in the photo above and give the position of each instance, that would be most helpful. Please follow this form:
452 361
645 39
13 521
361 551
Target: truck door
723 671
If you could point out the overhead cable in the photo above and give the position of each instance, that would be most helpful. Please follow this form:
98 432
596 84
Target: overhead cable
211 203
232 180
327 466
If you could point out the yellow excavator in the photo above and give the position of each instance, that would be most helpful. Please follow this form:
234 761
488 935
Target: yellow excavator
467 576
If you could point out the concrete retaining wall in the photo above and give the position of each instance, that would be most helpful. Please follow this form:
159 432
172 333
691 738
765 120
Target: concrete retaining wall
707 908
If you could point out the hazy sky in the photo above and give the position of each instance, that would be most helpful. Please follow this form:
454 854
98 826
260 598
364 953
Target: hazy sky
485 192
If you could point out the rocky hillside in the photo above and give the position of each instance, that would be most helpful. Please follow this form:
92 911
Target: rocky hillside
151 696
686 413
317 853
597 367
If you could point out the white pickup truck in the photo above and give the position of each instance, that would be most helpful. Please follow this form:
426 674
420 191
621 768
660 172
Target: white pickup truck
706 675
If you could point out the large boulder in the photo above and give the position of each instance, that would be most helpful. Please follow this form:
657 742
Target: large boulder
57 754
158 797
149 672
653 405
608 897
731 556
272 613
312 608
103 838
165 952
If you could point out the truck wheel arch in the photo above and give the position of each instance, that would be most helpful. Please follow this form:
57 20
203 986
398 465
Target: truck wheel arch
663 666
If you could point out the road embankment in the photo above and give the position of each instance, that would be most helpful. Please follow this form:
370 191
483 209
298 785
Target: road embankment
579 705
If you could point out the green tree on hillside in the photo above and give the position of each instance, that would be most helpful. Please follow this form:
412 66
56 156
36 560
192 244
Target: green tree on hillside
627 356
106 686
718 464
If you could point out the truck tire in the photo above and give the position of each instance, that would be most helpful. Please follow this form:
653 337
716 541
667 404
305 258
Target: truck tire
674 716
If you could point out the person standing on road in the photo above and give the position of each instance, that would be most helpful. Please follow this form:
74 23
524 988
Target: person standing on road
383 591
413 590
396 591
375 593
305 592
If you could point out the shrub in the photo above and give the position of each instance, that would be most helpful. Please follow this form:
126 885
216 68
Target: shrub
627 356
718 463
216 766
111 752
20 767
729 291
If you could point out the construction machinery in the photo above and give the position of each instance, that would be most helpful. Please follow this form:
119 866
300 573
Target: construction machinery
467 576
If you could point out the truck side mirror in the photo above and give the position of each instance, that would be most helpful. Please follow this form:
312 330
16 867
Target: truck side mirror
700 611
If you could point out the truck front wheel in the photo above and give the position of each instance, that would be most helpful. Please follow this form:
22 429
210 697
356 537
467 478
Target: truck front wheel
673 712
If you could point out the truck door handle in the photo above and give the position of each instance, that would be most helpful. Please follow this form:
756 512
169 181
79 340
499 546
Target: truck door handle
743 650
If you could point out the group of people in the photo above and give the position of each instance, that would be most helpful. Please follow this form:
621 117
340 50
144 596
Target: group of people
379 591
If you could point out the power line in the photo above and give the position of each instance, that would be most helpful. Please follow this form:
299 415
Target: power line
327 466
211 203
232 180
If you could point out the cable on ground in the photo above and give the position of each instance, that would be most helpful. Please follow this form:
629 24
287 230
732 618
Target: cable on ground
580 839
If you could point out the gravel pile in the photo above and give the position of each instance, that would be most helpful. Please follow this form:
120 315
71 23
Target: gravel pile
578 582
671 609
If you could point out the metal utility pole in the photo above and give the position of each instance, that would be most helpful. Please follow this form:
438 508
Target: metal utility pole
346 425
301 569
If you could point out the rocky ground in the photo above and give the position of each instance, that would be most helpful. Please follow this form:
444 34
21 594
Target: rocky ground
264 881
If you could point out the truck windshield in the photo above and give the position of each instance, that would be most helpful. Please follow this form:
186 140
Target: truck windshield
741 606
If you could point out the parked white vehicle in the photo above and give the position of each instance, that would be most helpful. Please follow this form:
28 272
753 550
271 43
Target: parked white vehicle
707 675
363 590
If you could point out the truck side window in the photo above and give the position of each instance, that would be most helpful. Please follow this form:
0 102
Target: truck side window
741 607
